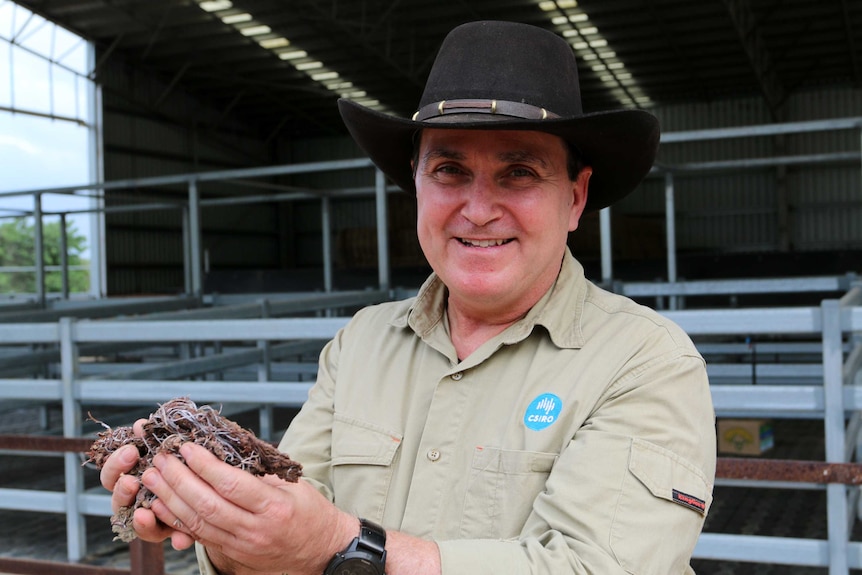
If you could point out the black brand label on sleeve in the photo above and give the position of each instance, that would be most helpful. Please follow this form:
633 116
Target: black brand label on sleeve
689 501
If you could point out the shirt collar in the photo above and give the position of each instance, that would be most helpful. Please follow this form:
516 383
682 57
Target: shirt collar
559 311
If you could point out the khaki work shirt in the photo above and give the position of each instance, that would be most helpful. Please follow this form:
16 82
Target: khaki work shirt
579 440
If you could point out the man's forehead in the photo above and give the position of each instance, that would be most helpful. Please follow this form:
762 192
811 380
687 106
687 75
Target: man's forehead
507 144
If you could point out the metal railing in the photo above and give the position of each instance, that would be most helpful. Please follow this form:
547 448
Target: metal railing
835 396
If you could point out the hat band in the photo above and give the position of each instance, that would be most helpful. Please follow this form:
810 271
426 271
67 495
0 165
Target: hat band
496 107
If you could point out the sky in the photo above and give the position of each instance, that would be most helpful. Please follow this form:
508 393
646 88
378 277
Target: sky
38 152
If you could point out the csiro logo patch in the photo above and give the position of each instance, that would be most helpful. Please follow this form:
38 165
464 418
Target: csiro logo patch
543 411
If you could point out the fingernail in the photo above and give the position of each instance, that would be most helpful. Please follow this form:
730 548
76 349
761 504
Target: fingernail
159 461
130 455
150 479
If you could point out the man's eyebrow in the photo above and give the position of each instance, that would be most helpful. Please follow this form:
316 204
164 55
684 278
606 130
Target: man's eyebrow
510 157
442 154
522 157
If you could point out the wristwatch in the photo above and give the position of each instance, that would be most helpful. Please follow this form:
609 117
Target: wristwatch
365 555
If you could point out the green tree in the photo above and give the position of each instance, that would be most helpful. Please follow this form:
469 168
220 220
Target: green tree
17 248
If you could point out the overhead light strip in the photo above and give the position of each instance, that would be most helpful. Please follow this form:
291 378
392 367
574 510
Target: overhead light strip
593 50
245 24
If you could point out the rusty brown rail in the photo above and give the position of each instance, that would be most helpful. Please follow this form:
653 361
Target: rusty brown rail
789 470
44 443
145 559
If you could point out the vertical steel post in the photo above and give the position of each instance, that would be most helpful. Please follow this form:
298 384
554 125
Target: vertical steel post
146 558
382 229
670 227
76 534
606 246
38 248
833 388
264 373
187 253
195 237
64 257
326 227
98 265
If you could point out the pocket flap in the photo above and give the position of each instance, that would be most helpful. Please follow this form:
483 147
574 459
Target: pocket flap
512 462
356 442
669 476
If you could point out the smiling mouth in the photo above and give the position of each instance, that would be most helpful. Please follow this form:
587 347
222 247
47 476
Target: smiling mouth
483 243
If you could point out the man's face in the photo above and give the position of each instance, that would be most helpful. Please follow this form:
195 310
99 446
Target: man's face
495 209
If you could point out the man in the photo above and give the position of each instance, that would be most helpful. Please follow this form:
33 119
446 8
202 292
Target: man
513 417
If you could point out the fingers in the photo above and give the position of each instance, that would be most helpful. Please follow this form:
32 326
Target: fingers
148 527
173 528
238 487
186 503
120 462
125 490
138 427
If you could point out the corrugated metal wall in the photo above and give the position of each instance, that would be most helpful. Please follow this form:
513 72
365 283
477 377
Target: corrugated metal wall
144 248
740 210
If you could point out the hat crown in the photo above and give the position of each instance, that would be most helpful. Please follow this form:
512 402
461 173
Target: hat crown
488 60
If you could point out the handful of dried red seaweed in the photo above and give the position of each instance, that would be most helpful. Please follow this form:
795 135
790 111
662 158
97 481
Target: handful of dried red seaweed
180 421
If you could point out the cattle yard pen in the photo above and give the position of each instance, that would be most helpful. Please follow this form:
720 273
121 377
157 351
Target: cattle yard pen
265 362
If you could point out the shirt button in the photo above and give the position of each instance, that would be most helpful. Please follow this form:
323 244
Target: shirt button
433 454
457 376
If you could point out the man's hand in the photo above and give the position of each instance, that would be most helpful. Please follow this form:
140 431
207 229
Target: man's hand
125 488
247 523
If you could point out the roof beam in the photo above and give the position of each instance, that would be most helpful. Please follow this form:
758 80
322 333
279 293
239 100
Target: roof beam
362 40
177 77
758 55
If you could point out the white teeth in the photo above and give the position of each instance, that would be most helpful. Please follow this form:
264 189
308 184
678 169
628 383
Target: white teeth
483 243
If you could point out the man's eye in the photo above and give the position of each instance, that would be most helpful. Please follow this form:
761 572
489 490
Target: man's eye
449 169
521 172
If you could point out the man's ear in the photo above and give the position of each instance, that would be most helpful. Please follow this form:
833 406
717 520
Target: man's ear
580 192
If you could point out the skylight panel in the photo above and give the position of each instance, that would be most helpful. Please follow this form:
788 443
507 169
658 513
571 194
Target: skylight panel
293 55
271 43
216 5
236 18
245 24
258 30
591 48
313 65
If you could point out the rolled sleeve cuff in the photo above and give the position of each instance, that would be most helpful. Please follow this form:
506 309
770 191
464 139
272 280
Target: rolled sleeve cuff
204 564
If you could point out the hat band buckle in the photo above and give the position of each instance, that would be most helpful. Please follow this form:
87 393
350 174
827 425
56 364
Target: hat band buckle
496 107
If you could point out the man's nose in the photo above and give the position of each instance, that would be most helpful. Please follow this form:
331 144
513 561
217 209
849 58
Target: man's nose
481 201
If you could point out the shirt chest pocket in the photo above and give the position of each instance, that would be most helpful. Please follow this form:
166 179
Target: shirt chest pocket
500 492
362 457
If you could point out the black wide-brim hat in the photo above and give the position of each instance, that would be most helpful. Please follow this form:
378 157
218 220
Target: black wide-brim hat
510 76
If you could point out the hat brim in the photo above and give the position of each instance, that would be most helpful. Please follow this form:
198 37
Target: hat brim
619 145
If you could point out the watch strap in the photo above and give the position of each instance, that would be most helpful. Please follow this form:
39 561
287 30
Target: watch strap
372 536
369 548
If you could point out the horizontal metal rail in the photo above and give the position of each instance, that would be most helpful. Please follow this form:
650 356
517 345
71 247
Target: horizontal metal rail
144 559
740 286
818 378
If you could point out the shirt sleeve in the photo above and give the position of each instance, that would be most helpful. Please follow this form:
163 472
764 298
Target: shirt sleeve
629 493
309 437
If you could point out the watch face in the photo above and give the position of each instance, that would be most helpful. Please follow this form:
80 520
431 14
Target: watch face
357 567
